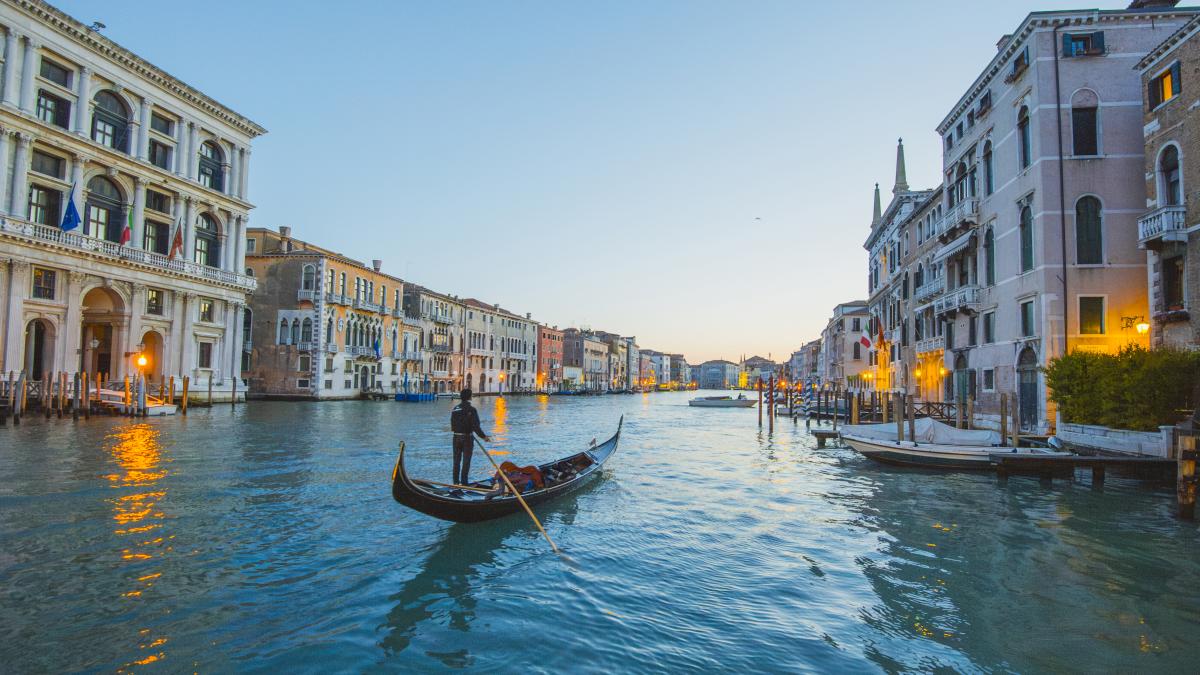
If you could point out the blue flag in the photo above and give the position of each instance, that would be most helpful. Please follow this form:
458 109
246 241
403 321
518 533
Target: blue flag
71 217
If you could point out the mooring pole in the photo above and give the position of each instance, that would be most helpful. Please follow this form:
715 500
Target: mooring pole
760 402
1187 475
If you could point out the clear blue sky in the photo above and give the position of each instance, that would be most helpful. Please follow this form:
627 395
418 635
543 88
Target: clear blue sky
697 174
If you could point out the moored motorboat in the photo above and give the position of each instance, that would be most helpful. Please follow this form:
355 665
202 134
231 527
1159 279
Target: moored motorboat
721 402
472 504
935 445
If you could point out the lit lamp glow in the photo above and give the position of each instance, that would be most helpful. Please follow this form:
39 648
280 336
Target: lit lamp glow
941 371
918 373
141 360
1143 328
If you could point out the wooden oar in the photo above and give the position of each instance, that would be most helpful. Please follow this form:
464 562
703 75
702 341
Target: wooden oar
517 493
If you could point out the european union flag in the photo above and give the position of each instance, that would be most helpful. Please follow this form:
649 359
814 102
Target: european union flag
71 217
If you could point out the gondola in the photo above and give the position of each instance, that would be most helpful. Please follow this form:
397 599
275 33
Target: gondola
471 505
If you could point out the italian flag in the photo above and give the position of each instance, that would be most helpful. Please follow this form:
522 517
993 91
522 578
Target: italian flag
128 231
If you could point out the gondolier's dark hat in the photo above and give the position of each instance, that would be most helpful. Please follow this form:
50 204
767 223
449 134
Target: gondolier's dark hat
465 394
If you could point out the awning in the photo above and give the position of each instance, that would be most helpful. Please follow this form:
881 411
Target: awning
963 241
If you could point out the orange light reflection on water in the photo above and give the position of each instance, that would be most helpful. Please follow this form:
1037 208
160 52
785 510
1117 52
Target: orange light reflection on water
501 416
137 453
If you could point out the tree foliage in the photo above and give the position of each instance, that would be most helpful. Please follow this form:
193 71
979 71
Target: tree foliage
1136 388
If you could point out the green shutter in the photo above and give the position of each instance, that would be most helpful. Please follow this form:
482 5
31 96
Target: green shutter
1176 78
1066 45
1098 42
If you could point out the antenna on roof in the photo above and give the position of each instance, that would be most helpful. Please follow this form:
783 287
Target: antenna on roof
96 25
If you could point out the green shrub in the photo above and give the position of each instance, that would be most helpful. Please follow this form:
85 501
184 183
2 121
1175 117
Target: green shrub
1136 388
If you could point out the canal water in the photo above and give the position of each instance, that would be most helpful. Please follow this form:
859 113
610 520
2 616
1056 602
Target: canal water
265 538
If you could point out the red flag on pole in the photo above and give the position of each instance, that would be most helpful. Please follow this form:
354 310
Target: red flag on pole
177 243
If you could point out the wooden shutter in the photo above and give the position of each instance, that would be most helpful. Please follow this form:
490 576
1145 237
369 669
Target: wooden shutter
1066 45
1098 42
1176 78
1152 96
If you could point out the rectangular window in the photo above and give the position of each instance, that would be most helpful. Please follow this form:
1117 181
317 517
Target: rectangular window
857 351
43 283
949 332
1027 318
302 384
972 332
104 133
44 205
1172 283
154 301
1164 87
329 365
1083 132
989 379
329 384
305 364
251 244
1091 315
206 310
154 237
1083 44
53 109
47 164
157 201
204 358
346 384
202 253
56 73
160 155
161 124
989 328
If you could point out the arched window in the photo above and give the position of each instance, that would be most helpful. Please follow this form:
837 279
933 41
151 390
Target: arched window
960 182
295 331
989 180
989 257
212 175
207 244
308 278
1168 166
110 122
1026 239
247 323
283 332
1025 141
1085 123
1089 236
306 333
104 210
329 330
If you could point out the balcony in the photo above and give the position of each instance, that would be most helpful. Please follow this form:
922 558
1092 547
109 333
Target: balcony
965 298
113 251
1164 224
306 346
933 344
443 318
337 299
476 351
361 352
441 349
359 303
411 356
396 312
309 295
963 215
929 289
440 373
331 348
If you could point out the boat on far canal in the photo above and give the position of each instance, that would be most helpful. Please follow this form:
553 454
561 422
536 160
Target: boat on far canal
721 402
936 445
470 503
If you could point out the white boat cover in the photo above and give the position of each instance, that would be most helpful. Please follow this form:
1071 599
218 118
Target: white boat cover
928 430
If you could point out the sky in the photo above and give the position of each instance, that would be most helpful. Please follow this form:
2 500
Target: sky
697 174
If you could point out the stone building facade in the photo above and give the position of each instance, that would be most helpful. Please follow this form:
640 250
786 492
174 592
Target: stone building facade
549 359
321 325
158 172
1169 230
842 355
440 321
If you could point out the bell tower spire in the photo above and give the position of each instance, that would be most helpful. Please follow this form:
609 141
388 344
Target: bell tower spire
877 213
901 178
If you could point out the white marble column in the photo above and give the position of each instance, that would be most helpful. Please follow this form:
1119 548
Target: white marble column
239 325
4 176
189 228
12 42
20 188
180 147
229 342
139 212
71 332
14 340
187 359
143 137
239 261
137 309
231 178
84 103
244 173
31 48
191 151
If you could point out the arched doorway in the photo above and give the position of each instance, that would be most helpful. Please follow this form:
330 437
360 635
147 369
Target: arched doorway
364 378
1027 388
964 379
39 348
152 349
103 317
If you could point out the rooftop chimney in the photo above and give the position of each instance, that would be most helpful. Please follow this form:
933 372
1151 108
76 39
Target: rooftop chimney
529 315
376 264
285 231
1003 41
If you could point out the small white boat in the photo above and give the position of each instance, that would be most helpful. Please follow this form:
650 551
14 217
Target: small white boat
935 445
721 402
155 407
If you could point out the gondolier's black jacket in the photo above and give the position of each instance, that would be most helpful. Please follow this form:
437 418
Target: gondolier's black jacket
464 419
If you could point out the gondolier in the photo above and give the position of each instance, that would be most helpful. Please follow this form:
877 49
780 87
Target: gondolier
464 421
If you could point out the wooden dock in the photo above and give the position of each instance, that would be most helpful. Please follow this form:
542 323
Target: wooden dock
1052 466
